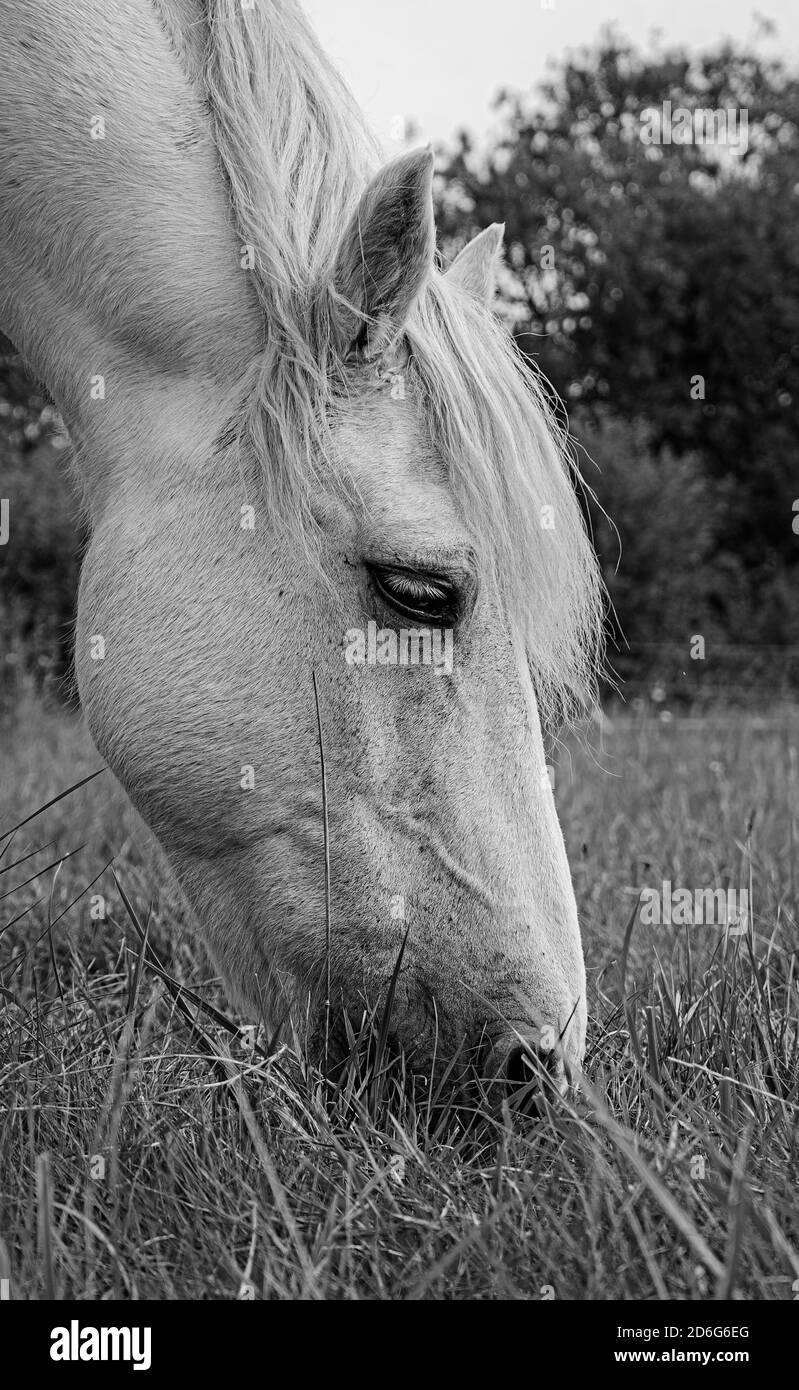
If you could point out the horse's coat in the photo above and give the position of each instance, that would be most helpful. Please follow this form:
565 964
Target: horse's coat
198 258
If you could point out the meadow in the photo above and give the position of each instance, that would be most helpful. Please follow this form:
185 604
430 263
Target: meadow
149 1148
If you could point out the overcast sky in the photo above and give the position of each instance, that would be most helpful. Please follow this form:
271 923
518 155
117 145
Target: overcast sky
441 61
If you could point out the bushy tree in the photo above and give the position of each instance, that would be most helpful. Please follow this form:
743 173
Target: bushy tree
39 563
660 282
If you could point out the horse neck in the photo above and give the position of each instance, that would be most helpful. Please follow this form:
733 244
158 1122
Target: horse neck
120 274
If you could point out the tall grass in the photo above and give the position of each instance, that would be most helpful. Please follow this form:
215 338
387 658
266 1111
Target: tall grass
150 1148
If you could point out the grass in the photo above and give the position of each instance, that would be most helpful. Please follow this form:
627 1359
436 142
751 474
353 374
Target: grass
146 1150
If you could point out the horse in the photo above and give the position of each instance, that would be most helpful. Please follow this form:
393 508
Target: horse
290 420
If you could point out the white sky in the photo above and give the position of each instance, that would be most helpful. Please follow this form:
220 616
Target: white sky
441 61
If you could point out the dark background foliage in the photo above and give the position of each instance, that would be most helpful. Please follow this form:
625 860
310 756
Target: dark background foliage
40 564
637 268
632 270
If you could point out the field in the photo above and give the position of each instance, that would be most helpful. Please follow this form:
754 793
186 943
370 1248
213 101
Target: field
148 1150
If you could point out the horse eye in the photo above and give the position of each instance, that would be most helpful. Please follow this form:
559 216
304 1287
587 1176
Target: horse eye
423 596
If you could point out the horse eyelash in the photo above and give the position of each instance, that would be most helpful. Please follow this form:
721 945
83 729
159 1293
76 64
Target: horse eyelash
416 587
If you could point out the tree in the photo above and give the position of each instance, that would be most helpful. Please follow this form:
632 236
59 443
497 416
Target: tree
660 281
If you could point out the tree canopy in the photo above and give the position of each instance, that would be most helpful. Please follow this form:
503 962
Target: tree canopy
658 283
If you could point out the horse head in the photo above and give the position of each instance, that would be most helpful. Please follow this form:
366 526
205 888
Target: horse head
338 582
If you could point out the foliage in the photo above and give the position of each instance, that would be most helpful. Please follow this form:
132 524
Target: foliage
659 528
635 268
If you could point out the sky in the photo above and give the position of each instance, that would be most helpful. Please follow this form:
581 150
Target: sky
439 62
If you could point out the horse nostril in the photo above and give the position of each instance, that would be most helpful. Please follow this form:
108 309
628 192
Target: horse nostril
527 1066
522 1072
524 1065
519 1067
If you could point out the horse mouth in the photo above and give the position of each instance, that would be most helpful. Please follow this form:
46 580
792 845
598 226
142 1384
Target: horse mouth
480 1079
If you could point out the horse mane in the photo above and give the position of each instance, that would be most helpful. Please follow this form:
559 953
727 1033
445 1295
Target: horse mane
297 155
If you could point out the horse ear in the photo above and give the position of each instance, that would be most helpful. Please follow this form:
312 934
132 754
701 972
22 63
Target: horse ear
385 255
475 269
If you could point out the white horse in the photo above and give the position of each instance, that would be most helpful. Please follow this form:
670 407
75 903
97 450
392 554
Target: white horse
289 424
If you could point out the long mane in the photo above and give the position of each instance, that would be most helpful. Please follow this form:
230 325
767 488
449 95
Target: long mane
297 155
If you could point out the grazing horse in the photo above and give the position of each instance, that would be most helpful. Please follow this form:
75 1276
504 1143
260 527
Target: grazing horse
305 452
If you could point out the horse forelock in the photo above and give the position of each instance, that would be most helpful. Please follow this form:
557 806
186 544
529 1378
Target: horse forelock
296 155
513 473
